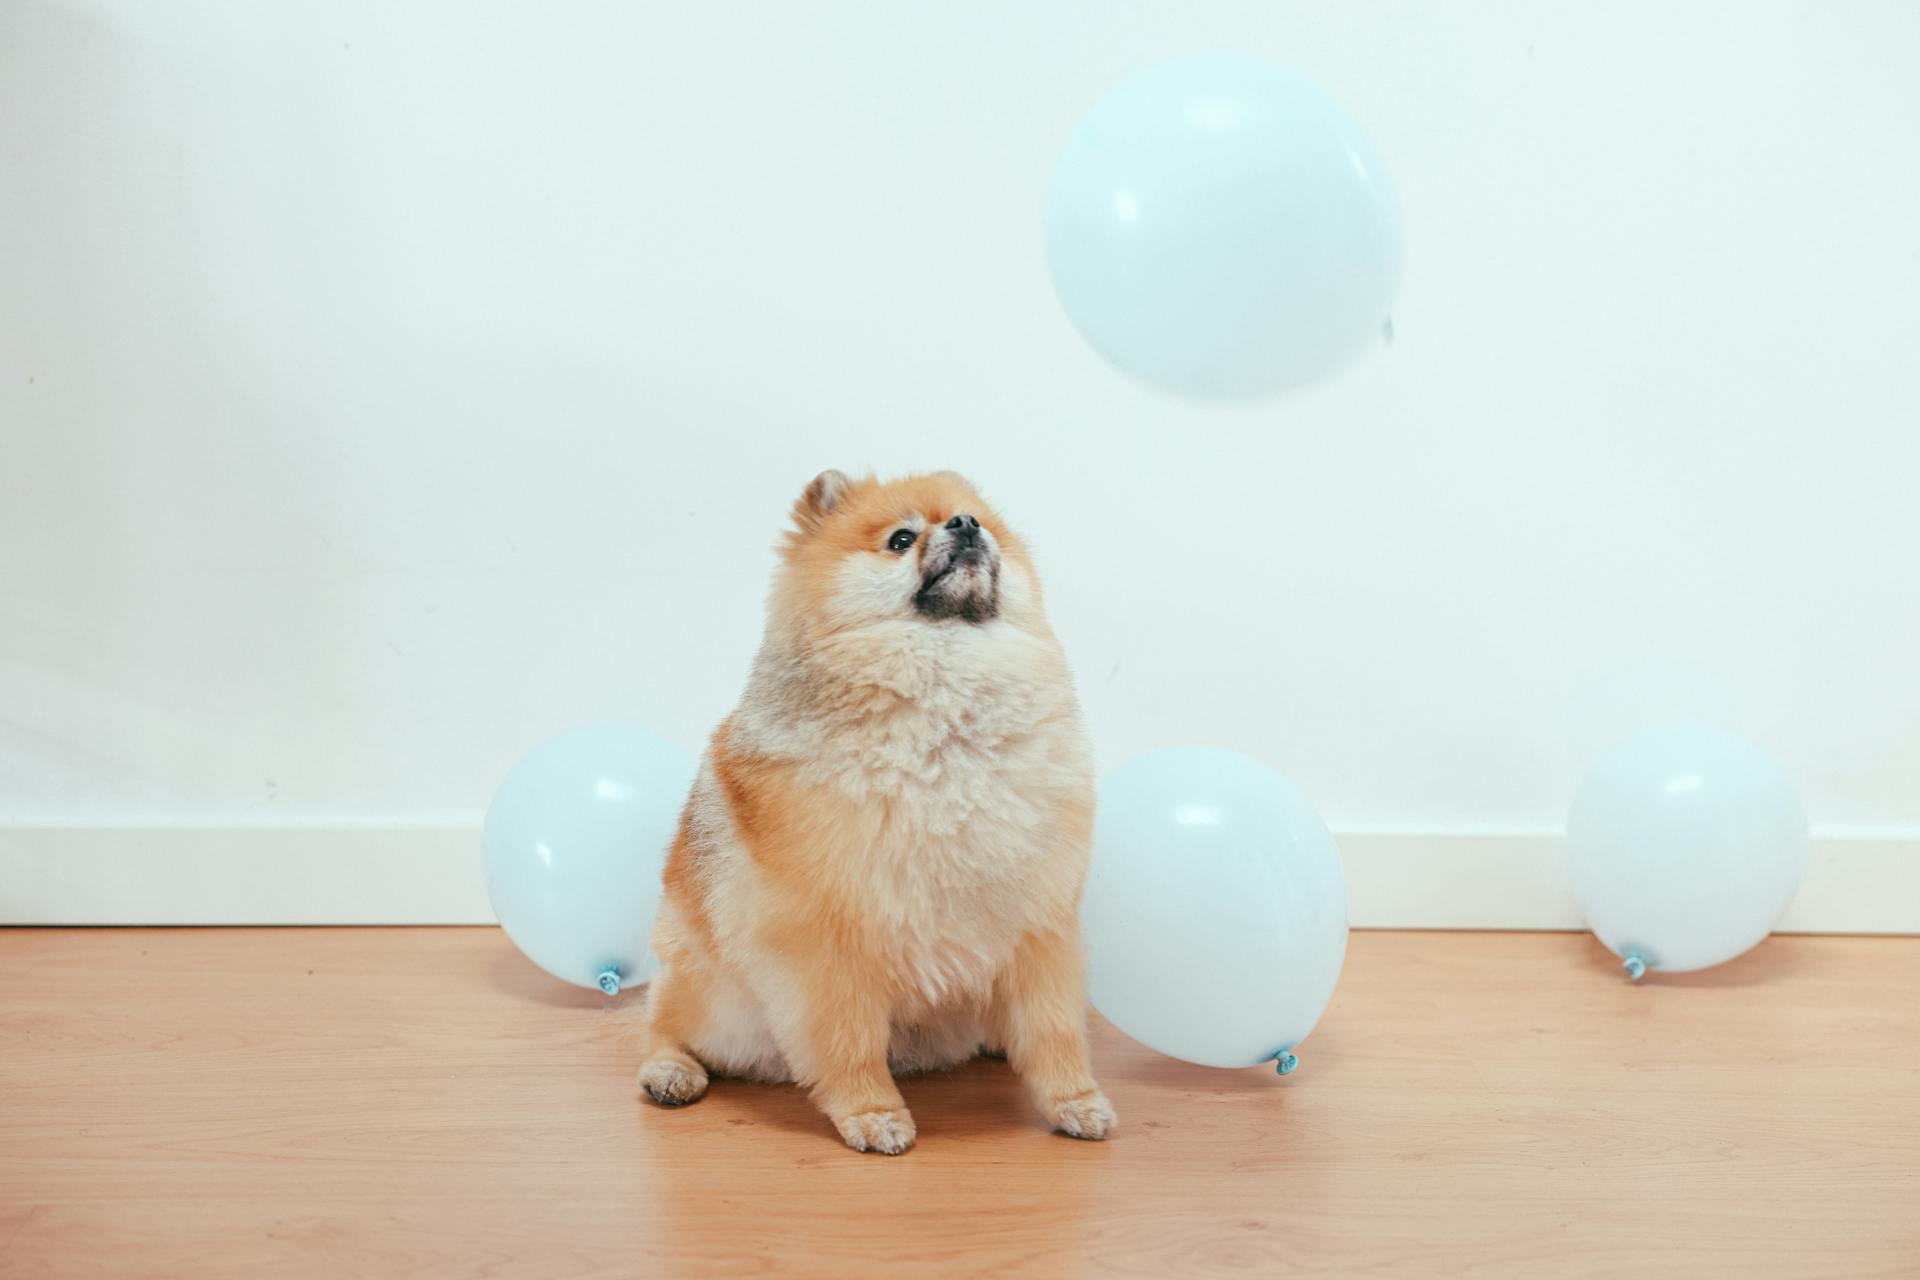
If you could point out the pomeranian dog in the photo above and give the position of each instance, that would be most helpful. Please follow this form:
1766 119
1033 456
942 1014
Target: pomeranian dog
879 868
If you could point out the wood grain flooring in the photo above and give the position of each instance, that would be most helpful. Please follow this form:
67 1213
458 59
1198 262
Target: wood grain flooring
413 1102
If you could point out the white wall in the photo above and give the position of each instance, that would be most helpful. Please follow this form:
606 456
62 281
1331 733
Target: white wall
383 388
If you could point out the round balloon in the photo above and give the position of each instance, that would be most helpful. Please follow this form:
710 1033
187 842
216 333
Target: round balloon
1686 843
1224 228
1216 908
576 838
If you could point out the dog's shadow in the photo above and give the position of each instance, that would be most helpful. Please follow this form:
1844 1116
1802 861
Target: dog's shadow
980 1098
978 1101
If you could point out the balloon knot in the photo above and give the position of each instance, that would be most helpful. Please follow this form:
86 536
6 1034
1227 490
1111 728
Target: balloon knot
1284 1062
1636 967
610 981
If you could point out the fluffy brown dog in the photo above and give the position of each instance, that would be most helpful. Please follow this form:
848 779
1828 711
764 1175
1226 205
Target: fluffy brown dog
879 868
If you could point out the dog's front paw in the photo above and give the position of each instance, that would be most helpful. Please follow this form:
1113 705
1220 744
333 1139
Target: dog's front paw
888 1132
673 1081
1087 1115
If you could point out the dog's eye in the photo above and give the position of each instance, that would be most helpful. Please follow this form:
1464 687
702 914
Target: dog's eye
901 540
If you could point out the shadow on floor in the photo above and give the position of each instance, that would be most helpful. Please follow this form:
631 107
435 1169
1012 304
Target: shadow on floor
1768 962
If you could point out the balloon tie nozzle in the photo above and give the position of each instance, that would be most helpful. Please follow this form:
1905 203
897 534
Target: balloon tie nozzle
1636 967
1284 1062
610 981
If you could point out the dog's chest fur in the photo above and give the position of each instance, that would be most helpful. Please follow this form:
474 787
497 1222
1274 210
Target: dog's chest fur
947 775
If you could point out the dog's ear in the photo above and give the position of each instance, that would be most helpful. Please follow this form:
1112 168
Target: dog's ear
954 477
826 492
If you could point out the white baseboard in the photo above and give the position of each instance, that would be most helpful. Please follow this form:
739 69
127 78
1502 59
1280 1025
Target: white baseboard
374 873
383 873
1860 881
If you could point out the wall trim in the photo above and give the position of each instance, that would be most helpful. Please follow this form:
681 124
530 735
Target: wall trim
1863 880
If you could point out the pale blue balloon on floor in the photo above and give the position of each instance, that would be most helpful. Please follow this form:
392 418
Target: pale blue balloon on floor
1224 228
576 838
1216 908
1686 844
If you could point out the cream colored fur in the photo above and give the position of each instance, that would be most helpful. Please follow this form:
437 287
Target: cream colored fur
934 784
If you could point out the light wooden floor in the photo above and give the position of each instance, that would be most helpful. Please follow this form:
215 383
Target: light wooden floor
414 1102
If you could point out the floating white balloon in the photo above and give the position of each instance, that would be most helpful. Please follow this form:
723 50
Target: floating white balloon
1216 908
1224 228
1686 844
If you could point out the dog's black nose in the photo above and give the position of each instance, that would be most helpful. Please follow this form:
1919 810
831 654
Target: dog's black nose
965 525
